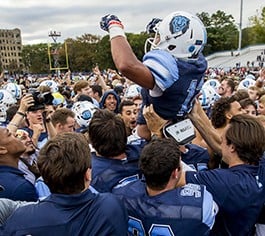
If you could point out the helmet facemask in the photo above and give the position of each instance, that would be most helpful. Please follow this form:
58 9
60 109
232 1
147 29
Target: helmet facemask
181 34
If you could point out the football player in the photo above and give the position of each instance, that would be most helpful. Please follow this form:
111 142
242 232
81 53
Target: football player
155 206
172 71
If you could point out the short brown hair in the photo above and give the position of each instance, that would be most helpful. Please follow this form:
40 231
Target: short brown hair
79 85
63 162
247 134
60 116
157 161
107 133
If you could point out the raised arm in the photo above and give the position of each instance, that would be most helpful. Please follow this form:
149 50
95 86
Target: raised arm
123 55
204 126
20 115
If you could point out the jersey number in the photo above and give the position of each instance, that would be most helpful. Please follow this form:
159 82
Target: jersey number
136 228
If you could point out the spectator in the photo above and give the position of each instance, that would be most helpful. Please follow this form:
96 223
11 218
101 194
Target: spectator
36 117
240 94
14 185
28 160
63 120
38 125
138 101
110 100
72 208
249 106
82 87
254 93
128 111
155 206
95 92
227 87
222 111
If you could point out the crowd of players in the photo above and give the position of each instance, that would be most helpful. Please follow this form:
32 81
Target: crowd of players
163 146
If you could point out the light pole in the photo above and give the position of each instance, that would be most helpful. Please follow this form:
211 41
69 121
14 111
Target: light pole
240 26
55 52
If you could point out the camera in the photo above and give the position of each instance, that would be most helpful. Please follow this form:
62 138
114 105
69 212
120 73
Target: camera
40 100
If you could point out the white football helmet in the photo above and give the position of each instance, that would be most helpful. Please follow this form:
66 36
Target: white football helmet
84 111
14 89
6 100
245 83
133 91
208 96
213 83
181 34
250 76
50 83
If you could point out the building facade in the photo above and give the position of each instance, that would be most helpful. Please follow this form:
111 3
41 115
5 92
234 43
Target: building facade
11 49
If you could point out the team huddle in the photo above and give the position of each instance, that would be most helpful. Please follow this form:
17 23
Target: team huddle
158 151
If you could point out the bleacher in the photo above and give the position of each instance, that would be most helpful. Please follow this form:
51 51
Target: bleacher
228 59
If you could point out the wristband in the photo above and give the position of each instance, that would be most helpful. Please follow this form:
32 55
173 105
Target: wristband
21 113
115 31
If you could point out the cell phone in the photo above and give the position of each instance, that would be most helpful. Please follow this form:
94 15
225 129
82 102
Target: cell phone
183 132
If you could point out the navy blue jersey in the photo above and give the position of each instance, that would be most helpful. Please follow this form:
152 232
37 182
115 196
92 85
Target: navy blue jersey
196 157
84 214
108 173
177 82
188 210
238 191
15 186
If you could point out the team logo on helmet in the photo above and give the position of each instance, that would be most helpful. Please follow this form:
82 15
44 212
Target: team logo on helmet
1 95
179 24
86 115
246 83
212 83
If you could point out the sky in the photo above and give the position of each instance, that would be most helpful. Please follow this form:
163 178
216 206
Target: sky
36 18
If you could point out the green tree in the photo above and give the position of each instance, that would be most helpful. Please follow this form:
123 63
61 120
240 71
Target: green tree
258 28
35 58
103 54
222 32
82 52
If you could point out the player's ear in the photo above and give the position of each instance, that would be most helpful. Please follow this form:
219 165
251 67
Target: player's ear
88 175
228 115
176 173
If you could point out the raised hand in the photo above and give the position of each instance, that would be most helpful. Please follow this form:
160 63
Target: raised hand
153 121
109 21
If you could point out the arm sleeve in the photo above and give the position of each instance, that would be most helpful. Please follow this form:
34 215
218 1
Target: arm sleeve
210 209
7 207
213 181
164 69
